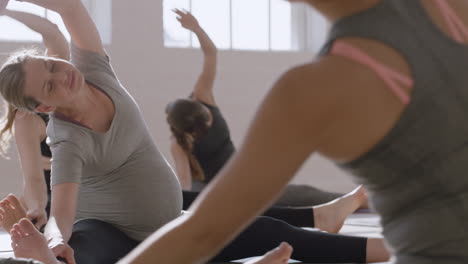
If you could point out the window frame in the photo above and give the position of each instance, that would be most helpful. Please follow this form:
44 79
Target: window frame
308 30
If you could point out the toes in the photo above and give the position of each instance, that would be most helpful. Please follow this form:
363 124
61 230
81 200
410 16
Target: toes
15 236
283 252
26 226
7 206
3 213
3 205
17 228
14 245
13 200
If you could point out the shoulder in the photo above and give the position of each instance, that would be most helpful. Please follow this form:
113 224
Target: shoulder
63 134
29 123
321 84
321 94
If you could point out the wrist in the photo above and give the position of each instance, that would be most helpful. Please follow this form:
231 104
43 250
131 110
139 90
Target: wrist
35 202
54 237
197 29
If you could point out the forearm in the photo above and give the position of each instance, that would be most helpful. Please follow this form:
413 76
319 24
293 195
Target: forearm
53 39
34 22
58 228
78 22
35 193
206 44
63 210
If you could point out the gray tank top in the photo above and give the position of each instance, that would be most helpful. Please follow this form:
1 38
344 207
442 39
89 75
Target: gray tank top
417 175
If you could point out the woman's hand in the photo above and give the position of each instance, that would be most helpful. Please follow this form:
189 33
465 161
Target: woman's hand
37 216
61 249
186 19
3 5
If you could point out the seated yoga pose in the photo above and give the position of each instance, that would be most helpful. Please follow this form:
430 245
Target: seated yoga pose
201 143
30 133
30 128
387 100
111 189
29 243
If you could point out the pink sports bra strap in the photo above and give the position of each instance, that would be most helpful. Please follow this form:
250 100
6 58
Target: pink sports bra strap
457 29
392 78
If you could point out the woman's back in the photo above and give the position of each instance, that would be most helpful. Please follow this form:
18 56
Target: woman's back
213 149
411 157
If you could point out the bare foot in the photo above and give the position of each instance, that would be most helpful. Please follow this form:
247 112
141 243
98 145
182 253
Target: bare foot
377 251
11 212
279 255
330 217
28 242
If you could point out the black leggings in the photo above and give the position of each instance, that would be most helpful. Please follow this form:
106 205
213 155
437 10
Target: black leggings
97 242
296 216
18 261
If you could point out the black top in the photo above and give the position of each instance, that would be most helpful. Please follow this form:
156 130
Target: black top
214 149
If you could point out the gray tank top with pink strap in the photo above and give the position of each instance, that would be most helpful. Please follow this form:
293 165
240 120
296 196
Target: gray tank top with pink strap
417 175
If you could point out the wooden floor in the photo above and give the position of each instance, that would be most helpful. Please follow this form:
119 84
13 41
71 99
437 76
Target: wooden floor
359 224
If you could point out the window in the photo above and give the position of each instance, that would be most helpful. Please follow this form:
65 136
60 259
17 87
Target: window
247 25
13 30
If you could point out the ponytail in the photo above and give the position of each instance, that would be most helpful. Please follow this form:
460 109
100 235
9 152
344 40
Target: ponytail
186 142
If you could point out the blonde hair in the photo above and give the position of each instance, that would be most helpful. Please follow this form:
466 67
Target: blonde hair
12 89
6 131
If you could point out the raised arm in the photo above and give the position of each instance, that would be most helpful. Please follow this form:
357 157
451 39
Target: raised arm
182 165
54 40
203 89
78 22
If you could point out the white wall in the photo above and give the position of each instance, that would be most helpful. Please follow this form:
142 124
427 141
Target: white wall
154 75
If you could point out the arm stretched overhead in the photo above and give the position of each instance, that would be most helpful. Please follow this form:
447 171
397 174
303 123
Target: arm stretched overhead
203 89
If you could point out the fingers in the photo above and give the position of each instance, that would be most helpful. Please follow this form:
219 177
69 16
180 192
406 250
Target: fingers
69 256
5 206
38 218
41 221
181 12
178 12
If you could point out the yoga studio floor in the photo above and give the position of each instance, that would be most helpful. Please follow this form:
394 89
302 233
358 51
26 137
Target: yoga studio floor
358 224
